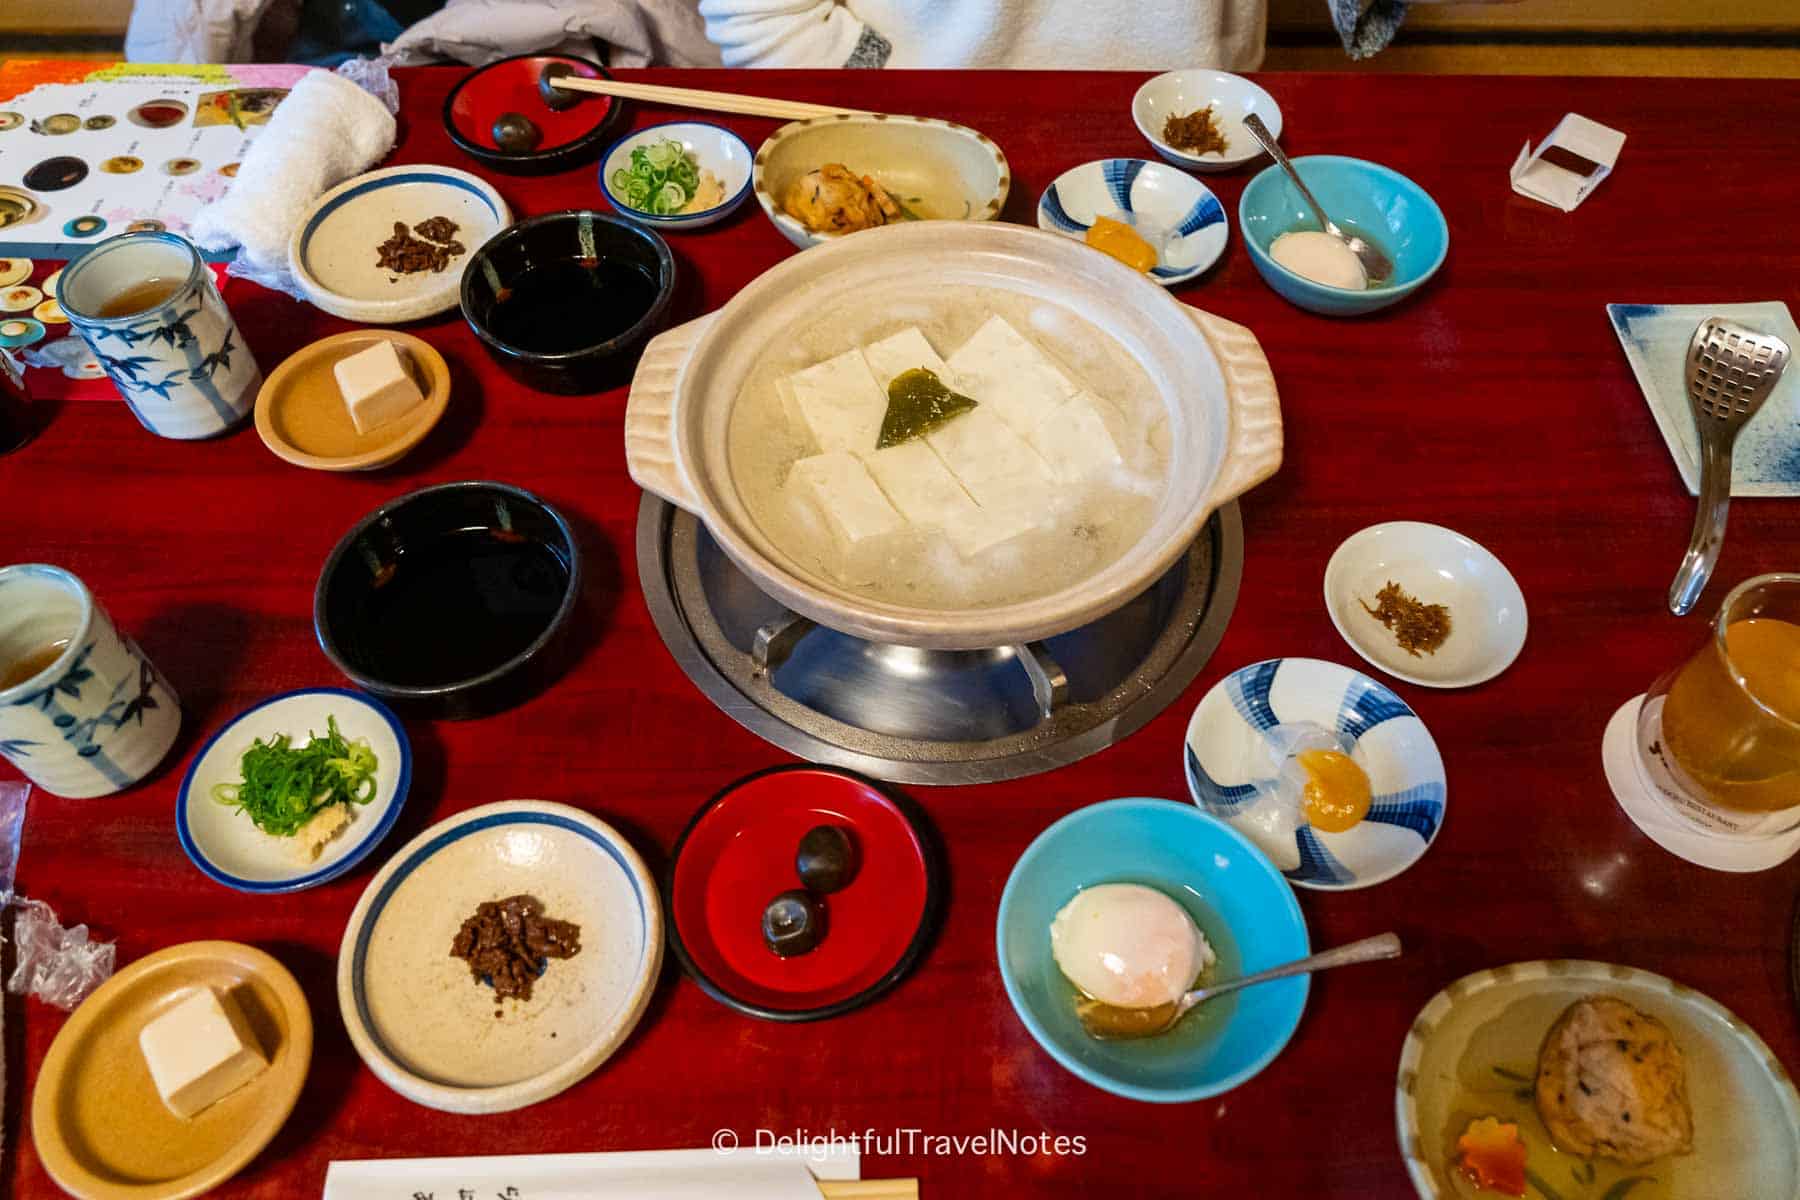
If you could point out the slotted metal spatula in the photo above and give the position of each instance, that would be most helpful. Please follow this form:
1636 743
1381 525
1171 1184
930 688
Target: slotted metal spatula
1730 372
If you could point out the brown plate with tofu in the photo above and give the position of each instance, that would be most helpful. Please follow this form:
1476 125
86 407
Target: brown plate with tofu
346 403
232 1038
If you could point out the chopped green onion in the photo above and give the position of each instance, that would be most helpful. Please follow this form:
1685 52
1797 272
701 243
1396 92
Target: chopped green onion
284 788
661 179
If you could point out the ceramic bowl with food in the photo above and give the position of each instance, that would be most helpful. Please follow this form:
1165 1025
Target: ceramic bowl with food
221 838
1240 903
1476 1050
1231 98
350 260
886 169
100 1126
1436 566
449 600
554 140
564 301
1381 204
1174 215
706 429
432 1029
302 418
1259 756
638 171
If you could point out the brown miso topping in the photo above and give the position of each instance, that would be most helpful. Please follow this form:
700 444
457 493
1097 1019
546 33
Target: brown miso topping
508 943
1418 627
1195 133
405 254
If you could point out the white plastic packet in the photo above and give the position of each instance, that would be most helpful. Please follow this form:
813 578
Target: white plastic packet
59 966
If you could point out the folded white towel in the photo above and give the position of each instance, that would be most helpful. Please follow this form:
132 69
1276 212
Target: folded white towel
326 130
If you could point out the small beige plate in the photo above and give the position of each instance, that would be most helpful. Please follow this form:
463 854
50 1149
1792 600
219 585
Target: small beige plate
14 270
439 1037
100 1127
301 416
1746 1114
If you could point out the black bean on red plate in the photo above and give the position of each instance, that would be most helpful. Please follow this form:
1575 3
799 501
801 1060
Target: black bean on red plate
793 923
827 860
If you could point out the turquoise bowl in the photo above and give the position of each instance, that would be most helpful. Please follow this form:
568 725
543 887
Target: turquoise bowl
1242 903
1384 205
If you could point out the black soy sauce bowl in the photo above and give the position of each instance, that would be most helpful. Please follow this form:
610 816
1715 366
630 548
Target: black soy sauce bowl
368 555
554 237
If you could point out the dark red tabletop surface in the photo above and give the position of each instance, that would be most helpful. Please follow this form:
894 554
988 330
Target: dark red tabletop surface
1496 402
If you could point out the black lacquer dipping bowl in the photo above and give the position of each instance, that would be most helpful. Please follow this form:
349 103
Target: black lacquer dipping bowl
566 300
450 601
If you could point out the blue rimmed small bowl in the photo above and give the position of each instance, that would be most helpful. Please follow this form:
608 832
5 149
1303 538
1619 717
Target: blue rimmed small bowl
224 843
1234 749
1383 205
1247 912
1175 211
437 1035
715 149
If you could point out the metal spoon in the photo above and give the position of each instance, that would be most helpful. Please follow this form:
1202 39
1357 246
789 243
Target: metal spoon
1109 1023
1730 372
1376 264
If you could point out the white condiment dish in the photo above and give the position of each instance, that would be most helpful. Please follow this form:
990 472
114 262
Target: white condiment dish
427 1029
228 847
1176 213
1438 566
333 251
1232 97
715 149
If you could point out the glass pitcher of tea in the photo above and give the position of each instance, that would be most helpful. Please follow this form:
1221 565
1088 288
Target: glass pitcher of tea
1719 735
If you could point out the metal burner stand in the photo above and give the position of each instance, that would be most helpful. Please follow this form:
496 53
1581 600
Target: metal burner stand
932 716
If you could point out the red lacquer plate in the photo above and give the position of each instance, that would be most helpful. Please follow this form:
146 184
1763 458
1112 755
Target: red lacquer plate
572 136
737 854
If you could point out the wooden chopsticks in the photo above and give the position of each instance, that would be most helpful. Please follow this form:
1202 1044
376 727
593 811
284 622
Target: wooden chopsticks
727 102
869 1189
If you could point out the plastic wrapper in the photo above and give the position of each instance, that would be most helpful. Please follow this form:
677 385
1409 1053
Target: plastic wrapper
59 966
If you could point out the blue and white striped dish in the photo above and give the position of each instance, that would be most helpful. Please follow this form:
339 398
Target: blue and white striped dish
229 849
1148 195
1228 770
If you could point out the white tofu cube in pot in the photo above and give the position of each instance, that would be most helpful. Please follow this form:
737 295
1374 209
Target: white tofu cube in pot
901 352
1076 440
837 403
1004 370
845 495
921 487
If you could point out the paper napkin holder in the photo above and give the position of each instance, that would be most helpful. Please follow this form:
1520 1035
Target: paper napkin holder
1569 164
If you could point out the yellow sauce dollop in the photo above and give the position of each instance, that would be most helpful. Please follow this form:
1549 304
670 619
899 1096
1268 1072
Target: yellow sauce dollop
1337 792
1122 242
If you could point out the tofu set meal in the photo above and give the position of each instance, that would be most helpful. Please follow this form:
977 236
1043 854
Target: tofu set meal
928 501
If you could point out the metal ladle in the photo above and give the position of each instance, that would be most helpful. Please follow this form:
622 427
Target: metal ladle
1730 372
1375 262
1109 1023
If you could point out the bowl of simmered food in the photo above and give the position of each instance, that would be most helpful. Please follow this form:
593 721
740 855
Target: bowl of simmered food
953 434
821 179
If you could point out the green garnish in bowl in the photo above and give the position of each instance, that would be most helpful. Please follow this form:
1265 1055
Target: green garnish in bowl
283 788
661 179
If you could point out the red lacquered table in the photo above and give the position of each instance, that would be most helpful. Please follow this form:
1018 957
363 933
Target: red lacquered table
1497 402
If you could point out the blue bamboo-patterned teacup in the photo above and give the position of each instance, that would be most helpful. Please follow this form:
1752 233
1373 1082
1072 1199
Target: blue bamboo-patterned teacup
82 711
179 361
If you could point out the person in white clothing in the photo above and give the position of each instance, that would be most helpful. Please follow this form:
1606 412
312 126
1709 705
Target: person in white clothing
1056 34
